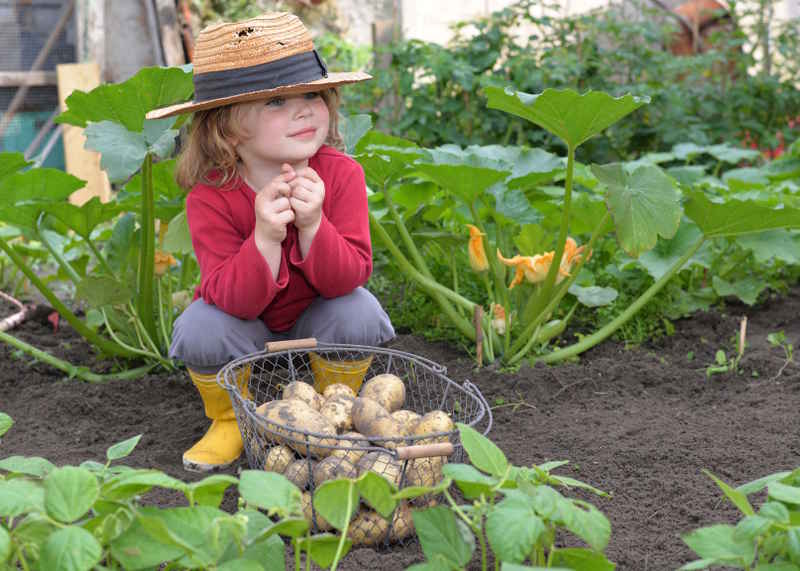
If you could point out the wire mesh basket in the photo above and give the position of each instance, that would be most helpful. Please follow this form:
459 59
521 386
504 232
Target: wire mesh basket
293 402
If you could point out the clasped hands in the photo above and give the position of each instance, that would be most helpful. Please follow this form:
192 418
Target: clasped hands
292 196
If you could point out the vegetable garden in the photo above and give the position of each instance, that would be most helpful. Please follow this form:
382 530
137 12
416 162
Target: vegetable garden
624 298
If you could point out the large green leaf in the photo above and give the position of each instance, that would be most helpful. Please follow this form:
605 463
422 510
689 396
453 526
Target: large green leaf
11 163
127 103
123 151
337 502
729 154
484 454
5 545
466 173
69 493
513 528
6 423
353 129
23 194
31 466
644 204
323 548
83 219
770 245
70 549
660 259
718 542
270 491
747 289
178 239
737 217
443 536
20 496
100 291
137 549
572 117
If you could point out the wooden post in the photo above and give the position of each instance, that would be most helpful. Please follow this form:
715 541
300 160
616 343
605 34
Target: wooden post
81 162
170 32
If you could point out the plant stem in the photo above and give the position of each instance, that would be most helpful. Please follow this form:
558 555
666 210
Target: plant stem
101 259
134 350
621 319
69 368
147 250
92 337
434 289
553 303
343 538
62 261
416 257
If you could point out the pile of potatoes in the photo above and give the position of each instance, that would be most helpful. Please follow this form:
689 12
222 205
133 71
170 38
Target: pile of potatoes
370 418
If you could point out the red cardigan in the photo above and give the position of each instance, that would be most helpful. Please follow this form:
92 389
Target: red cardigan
236 278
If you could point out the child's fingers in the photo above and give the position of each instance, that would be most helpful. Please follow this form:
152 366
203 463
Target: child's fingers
285 217
309 173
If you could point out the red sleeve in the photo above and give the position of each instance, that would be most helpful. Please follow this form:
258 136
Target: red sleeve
234 275
340 257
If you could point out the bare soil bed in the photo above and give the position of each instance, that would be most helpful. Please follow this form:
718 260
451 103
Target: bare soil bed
640 423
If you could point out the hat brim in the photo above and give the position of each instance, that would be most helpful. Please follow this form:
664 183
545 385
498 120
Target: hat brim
332 80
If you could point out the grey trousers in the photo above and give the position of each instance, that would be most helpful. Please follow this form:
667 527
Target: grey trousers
205 338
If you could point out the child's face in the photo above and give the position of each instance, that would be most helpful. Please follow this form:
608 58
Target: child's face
287 128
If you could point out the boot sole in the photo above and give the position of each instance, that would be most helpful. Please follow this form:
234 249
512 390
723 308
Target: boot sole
190 466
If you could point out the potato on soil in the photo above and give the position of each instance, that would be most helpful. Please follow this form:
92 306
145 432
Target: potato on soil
278 458
296 415
338 410
368 528
321 523
338 389
431 423
332 468
374 422
382 464
304 392
402 523
299 473
349 449
407 418
388 390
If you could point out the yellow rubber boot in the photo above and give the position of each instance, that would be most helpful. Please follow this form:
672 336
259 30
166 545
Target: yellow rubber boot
222 445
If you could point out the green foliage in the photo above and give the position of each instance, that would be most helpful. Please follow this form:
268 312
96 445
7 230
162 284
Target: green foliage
434 94
768 538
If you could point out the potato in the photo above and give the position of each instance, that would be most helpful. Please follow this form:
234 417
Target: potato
278 458
338 410
298 415
425 471
407 418
382 464
368 528
387 390
431 423
372 420
322 525
303 391
299 472
332 468
349 448
402 523
338 389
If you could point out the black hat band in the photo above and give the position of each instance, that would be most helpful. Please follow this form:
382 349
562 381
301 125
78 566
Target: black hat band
291 70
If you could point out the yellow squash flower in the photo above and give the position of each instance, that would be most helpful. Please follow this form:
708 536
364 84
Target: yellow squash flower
572 255
477 254
499 318
162 262
531 268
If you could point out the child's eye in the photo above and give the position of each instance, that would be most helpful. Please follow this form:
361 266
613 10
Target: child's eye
276 102
312 95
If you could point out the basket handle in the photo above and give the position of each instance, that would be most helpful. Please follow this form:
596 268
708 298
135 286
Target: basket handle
288 345
424 450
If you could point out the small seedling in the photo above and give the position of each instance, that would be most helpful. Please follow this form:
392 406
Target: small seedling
778 339
725 365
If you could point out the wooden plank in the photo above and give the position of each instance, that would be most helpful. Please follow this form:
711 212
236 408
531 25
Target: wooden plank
81 162
30 78
170 32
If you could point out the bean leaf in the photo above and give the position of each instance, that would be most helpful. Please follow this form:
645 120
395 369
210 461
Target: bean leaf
69 493
70 549
483 453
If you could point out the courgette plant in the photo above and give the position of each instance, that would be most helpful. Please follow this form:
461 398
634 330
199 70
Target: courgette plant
128 284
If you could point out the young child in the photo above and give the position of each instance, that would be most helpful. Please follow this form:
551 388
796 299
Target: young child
278 216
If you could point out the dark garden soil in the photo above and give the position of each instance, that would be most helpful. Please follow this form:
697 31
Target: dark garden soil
640 423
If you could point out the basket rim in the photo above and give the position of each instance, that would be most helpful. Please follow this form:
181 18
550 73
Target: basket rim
287 433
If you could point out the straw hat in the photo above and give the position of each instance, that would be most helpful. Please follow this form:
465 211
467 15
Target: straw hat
253 59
